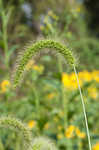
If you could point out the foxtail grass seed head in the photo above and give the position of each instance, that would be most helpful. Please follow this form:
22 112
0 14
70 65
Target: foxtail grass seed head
15 124
42 143
36 47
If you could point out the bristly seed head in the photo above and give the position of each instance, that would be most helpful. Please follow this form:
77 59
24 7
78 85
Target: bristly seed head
36 47
12 123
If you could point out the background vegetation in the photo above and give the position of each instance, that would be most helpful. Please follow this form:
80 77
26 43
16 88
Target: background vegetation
48 99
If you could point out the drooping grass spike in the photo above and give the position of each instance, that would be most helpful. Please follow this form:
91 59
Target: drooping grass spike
10 122
36 47
43 143
39 143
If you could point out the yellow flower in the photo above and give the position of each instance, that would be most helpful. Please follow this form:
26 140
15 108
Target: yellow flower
96 78
39 69
70 81
95 75
46 126
96 146
85 76
69 133
73 80
30 65
4 85
60 136
93 93
80 134
65 80
32 124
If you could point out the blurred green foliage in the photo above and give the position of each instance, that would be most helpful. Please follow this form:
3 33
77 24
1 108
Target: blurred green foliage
41 101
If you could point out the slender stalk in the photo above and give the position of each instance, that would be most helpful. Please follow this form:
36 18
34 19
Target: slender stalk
84 110
4 35
65 107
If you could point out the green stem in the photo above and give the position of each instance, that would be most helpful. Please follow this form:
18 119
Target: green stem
65 107
4 30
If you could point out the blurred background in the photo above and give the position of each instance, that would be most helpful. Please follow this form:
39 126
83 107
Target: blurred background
48 99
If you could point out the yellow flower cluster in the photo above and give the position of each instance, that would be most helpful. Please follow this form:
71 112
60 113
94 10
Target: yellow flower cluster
37 68
69 80
5 84
31 124
95 75
79 133
96 146
69 132
72 130
89 76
